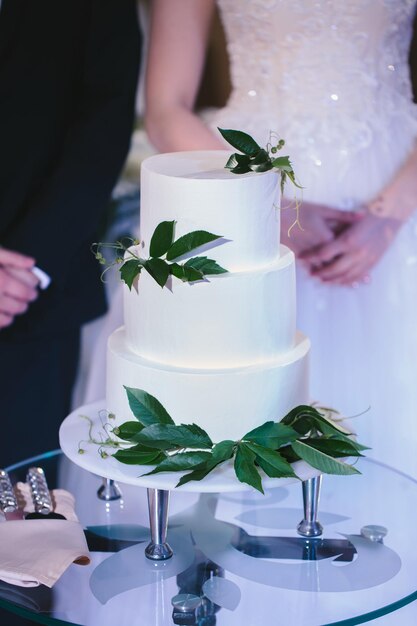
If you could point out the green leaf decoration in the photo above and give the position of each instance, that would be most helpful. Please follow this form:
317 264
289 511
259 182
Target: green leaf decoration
232 162
239 163
291 176
243 160
304 418
245 467
261 157
297 413
322 461
288 454
331 428
129 271
326 428
324 422
146 408
272 463
139 455
204 265
192 275
128 430
241 141
177 270
203 438
334 447
283 163
255 158
304 433
241 169
271 435
198 474
162 243
168 436
162 239
360 447
261 162
188 242
259 167
180 462
159 270
186 273
221 452
327 414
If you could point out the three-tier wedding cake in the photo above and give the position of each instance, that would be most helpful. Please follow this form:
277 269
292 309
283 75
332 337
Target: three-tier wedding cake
222 352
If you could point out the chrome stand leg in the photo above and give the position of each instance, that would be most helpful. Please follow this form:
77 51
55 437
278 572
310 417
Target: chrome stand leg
310 526
158 502
109 491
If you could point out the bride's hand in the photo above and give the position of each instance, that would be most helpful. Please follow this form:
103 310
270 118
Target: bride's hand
354 252
319 225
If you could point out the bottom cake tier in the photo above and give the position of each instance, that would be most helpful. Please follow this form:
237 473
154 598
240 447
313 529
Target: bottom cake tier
227 403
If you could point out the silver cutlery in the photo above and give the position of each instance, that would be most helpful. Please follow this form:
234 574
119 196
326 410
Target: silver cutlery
41 497
8 501
39 490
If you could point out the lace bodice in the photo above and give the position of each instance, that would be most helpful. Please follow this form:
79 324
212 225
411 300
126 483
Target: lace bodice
329 76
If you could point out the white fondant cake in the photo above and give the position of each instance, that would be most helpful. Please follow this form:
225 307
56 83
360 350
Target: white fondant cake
222 352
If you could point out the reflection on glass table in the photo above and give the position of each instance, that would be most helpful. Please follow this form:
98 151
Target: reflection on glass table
237 557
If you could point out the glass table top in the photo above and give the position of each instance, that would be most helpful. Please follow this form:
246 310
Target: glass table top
238 553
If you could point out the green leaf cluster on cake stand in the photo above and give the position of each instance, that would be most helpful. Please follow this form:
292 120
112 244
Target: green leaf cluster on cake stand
164 255
306 433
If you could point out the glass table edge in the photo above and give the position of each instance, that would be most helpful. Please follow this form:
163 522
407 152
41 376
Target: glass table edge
351 621
34 459
38 618
368 617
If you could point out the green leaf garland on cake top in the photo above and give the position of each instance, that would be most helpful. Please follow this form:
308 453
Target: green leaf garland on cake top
165 254
252 158
306 433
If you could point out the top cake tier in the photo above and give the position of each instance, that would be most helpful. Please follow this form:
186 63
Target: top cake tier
195 190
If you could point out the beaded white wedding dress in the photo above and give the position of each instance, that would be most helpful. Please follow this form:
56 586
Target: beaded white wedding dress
332 78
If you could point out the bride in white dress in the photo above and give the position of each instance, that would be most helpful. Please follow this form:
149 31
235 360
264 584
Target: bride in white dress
331 78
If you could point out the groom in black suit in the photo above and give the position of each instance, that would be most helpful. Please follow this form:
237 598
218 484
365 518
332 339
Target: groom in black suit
68 73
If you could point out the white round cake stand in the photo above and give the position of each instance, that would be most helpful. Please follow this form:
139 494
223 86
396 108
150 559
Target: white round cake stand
74 434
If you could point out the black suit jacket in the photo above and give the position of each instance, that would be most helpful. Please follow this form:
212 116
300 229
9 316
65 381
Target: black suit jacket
68 74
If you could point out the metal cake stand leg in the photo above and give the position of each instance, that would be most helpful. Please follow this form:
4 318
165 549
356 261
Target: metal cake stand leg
109 490
158 503
310 526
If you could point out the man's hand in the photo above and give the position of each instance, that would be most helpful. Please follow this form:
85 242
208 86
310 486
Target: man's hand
17 285
319 225
350 257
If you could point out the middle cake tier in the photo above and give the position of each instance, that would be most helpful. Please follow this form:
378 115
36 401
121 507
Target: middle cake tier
231 320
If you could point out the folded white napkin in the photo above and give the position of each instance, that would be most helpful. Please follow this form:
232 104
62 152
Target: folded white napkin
34 552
